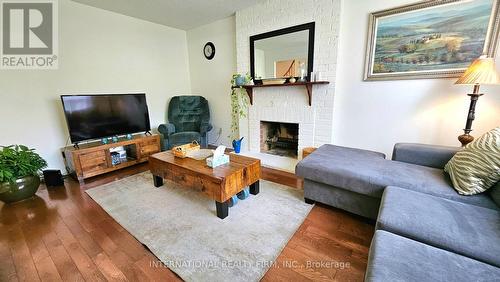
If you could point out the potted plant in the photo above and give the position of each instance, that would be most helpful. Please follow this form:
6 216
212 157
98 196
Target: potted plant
19 172
239 107
239 80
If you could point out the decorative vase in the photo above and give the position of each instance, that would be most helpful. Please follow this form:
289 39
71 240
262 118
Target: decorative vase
22 189
302 70
239 80
237 145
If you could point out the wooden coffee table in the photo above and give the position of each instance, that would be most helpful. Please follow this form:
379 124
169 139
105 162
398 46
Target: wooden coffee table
219 184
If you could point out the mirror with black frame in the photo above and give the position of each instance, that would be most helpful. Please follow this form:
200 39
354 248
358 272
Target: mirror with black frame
283 53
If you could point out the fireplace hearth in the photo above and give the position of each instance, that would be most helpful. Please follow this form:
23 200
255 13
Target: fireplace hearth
279 138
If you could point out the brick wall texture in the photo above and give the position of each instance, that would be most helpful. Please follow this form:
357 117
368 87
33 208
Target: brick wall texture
290 104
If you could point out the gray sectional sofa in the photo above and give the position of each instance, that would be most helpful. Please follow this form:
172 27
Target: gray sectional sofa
425 230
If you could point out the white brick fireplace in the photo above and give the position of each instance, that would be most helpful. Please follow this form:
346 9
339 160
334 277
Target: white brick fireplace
290 104
270 104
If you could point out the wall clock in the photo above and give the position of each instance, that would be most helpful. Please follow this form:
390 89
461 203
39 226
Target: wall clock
209 50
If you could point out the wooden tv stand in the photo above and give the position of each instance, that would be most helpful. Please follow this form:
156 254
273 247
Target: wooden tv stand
94 158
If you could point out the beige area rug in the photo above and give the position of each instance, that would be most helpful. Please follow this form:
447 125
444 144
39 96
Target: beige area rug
181 228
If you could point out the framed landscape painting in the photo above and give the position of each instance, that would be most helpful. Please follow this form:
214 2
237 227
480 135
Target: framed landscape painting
431 39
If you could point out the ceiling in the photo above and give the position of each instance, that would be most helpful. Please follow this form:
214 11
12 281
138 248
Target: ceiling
181 14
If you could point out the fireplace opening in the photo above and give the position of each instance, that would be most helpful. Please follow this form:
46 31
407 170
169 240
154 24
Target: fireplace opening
279 138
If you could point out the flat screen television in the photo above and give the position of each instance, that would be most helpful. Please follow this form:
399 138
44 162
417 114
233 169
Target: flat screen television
97 116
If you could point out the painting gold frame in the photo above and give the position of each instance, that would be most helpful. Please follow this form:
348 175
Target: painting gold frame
490 44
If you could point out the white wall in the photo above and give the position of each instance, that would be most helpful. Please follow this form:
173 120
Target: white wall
212 78
100 52
375 115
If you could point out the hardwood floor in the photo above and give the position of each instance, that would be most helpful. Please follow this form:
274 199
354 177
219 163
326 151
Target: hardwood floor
63 235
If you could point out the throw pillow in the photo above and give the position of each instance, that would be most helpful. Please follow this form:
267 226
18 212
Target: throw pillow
477 167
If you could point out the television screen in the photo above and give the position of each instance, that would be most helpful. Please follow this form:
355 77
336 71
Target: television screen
98 116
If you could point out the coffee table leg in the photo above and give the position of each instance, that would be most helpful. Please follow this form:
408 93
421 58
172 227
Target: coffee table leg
254 188
158 180
222 209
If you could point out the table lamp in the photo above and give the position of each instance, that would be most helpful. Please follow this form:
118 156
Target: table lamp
481 71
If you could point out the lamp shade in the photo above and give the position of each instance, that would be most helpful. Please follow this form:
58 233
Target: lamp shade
481 71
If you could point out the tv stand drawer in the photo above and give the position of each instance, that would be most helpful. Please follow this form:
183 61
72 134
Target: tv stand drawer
150 149
151 140
93 161
92 156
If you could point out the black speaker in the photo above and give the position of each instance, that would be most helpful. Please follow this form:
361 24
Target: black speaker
53 177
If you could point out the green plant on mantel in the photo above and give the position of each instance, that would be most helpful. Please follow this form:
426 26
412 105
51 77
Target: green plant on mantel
239 103
19 161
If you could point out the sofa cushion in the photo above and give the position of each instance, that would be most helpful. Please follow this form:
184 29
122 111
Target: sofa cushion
481 200
467 230
368 173
476 168
422 154
395 258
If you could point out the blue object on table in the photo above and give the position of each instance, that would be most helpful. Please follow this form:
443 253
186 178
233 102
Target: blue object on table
242 195
237 145
129 136
115 139
104 141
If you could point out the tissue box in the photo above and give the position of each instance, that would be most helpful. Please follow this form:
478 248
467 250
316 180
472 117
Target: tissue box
215 162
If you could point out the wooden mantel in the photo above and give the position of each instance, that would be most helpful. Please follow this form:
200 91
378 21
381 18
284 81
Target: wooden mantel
308 85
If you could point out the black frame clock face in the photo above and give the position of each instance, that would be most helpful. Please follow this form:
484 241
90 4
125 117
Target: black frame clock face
209 50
